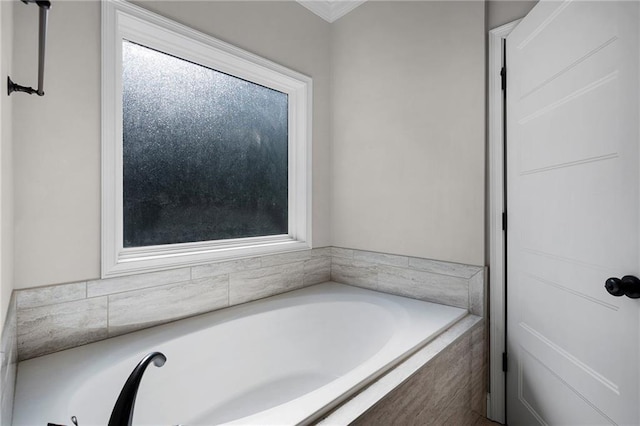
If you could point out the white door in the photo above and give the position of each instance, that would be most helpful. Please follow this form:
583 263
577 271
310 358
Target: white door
573 215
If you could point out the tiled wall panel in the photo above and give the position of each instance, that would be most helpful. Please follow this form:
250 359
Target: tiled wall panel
138 309
58 317
425 279
8 366
52 328
256 284
53 318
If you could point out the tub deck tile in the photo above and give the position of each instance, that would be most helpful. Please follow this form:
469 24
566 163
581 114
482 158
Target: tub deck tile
317 270
381 258
136 282
41 296
284 258
224 267
140 309
342 252
47 329
294 256
444 268
422 285
354 272
477 294
264 282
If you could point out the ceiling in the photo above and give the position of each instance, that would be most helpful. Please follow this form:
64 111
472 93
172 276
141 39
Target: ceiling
331 10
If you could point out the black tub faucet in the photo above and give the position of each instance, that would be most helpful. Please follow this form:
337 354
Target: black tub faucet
122 414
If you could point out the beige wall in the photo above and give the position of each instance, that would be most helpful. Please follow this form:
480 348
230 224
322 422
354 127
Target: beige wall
6 164
57 137
57 147
403 174
408 129
500 12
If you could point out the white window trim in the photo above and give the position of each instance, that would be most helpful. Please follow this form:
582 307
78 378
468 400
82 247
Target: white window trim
121 20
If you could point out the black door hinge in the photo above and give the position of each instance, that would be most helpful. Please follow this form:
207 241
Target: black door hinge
503 77
504 221
504 362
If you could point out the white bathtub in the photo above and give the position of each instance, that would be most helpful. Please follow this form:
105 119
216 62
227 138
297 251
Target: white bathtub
287 359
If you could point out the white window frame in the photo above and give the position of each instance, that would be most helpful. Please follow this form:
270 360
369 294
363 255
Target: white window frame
122 20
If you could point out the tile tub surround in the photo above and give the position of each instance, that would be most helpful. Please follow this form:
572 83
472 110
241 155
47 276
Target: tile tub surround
58 317
443 383
447 283
8 366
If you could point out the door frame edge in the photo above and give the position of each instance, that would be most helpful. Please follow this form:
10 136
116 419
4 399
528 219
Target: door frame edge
496 402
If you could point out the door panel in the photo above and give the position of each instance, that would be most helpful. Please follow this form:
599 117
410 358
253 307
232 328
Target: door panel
573 205
575 408
582 202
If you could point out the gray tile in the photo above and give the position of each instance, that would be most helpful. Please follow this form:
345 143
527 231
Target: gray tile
404 404
42 296
284 258
52 328
444 268
317 270
409 373
478 348
341 252
478 381
321 252
139 309
265 282
436 394
381 258
354 272
423 285
223 268
477 294
453 371
4 361
7 396
478 332
295 256
136 282
9 342
8 366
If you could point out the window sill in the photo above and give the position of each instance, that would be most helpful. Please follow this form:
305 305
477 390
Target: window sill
156 258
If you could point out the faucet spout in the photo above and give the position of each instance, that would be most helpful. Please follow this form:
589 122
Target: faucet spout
122 414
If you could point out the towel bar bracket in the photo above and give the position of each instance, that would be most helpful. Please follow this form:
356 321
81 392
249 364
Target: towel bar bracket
13 87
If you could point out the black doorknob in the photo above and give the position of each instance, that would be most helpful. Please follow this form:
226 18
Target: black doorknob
627 286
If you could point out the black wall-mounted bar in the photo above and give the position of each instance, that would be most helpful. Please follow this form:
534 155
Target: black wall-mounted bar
43 7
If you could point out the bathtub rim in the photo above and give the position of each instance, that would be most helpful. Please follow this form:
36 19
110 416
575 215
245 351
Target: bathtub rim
336 404
239 311
351 408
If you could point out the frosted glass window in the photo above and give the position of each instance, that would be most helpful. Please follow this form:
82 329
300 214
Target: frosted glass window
205 154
